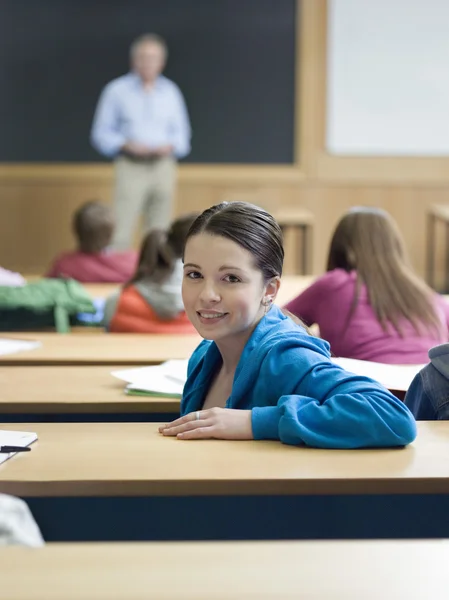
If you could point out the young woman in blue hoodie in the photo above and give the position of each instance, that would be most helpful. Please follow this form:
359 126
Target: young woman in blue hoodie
258 374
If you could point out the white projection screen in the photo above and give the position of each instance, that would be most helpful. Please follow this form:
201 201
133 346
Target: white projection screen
388 78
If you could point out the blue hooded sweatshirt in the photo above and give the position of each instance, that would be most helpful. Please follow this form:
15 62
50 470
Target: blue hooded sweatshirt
297 395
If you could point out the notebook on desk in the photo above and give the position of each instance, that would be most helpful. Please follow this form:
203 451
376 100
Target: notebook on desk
15 438
165 380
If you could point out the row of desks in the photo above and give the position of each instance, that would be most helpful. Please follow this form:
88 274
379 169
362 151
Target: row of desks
123 481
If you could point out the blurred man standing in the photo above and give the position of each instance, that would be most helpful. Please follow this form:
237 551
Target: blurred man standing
142 122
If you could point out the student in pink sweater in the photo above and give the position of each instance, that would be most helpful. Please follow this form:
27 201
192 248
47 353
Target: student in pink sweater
370 305
93 261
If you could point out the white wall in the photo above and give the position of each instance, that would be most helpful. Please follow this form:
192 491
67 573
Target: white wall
388 77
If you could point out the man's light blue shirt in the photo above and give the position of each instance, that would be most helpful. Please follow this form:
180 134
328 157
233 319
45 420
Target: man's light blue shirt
127 112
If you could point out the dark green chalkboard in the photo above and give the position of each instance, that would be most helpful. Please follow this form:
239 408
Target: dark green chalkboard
233 59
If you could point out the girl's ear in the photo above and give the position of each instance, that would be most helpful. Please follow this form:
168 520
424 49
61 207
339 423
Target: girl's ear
271 290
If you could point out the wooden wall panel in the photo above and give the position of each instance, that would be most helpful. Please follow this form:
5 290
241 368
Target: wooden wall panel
35 219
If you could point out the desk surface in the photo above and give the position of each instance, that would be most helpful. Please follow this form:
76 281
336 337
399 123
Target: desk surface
101 349
132 459
61 390
391 570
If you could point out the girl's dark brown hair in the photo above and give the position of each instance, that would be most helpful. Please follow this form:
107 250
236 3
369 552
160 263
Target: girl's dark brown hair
93 225
368 241
249 226
160 250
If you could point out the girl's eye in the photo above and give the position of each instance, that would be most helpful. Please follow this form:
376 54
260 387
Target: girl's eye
193 275
232 279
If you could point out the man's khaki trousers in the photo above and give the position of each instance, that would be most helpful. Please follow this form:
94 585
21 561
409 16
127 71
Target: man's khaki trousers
142 187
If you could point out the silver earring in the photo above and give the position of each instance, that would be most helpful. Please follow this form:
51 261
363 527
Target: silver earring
267 304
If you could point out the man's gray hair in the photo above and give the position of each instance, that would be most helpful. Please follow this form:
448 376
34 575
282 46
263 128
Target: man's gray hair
152 38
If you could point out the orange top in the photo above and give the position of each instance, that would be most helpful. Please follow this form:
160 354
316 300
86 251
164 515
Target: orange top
135 315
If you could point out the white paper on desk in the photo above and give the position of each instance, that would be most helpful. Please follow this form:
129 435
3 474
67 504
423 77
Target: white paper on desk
166 378
158 383
176 370
393 377
11 346
15 438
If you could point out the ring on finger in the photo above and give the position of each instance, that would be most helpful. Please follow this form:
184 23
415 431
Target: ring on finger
197 415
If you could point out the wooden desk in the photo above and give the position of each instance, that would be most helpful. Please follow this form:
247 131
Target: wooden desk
81 459
391 570
101 349
153 487
73 390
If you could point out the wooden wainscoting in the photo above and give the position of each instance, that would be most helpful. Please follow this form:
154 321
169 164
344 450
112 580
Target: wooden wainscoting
35 211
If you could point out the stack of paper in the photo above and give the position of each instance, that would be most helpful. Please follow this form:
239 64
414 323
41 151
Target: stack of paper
393 377
167 379
15 438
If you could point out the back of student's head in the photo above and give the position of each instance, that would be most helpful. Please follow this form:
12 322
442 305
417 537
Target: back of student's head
365 237
93 225
249 226
161 249
368 241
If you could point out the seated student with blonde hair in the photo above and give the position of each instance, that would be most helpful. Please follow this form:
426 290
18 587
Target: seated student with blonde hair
258 374
94 261
151 301
370 305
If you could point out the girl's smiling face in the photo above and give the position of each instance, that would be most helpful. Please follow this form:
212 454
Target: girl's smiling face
223 291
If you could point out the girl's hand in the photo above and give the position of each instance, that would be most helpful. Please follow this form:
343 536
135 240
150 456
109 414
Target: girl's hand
218 423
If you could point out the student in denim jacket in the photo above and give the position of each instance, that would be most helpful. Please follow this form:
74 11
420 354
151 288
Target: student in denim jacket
428 396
